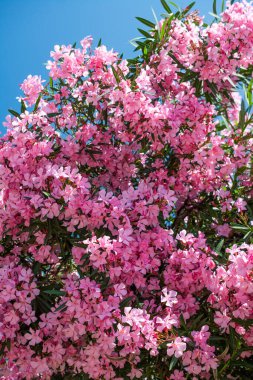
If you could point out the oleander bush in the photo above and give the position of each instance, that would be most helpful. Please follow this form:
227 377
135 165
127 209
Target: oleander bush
126 217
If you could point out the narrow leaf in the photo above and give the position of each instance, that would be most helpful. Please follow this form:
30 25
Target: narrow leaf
61 307
37 104
53 114
243 364
156 20
176 60
223 6
36 267
249 92
125 302
242 115
240 227
23 107
214 15
173 362
230 81
214 7
146 22
145 33
219 246
14 113
188 8
166 7
175 5
116 75
55 292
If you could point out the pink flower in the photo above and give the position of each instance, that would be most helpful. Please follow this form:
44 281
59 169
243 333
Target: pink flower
223 230
125 235
176 348
33 337
120 290
123 334
169 298
32 87
11 317
177 375
40 366
222 319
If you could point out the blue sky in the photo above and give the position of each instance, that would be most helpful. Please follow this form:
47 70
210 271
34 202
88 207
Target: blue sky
30 28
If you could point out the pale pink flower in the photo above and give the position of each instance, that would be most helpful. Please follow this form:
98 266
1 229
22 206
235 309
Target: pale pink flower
169 298
176 348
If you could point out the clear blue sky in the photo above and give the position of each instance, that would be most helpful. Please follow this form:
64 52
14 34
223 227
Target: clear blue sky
30 28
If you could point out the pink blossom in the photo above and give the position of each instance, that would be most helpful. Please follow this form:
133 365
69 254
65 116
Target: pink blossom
169 298
176 348
222 319
33 337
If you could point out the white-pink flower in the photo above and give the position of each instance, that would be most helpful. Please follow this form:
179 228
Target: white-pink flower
176 348
169 298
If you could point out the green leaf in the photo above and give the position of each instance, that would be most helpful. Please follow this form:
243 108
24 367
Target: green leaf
214 15
14 113
44 305
99 42
223 6
175 5
23 107
249 92
243 322
36 267
230 80
116 75
53 114
243 363
55 292
212 87
156 20
242 115
182 321
121 73
232 338
46 193
173 363
188 8
37 103
247 236
145 51
198 320
214 7
166 7
146 22
176 60
61 307
198 85
219 246
145 33
51 83
217 338
125 302
8 344
240 227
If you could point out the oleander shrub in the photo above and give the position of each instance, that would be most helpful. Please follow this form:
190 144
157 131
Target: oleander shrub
126 213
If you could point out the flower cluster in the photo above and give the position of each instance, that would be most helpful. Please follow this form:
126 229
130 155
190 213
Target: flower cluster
126 209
